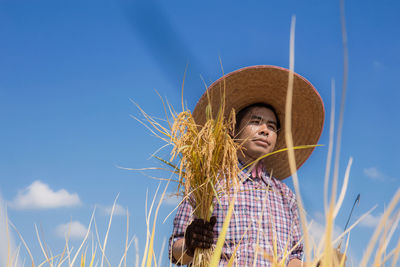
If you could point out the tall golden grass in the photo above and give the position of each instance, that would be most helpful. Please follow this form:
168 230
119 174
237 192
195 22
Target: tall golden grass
199 171
326 252
323 252
381 256
206 159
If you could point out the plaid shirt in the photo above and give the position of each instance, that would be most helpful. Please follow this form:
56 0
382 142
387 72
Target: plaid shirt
265 213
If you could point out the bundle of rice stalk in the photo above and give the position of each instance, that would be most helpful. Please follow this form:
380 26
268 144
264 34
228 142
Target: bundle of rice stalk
207 157
207 164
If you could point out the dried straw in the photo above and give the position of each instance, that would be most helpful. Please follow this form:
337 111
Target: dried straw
206 156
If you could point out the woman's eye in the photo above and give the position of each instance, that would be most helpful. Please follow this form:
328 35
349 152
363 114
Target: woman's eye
272 127
255 121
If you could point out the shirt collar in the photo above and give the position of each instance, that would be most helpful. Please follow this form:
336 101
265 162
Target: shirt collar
245 174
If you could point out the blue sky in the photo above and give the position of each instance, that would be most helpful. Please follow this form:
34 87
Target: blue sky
68 70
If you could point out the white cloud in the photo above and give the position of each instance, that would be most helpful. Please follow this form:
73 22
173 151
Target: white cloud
374 173
40 196
317 228
377 64
371 220
72 230
172 200
118 210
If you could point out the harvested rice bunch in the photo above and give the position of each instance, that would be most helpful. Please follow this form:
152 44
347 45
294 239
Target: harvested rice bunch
207 157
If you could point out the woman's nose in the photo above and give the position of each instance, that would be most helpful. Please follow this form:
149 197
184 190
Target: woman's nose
263 130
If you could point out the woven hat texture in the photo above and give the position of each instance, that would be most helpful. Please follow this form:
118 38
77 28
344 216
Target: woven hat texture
268 84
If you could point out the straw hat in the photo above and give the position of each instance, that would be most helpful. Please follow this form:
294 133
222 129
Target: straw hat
268 84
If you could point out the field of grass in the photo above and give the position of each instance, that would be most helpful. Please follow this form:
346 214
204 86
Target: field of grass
376 253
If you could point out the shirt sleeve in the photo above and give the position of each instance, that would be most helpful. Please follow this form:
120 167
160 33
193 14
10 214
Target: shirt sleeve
297 244
182 219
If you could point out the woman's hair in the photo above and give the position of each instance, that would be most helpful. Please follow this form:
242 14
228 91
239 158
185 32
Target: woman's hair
240 115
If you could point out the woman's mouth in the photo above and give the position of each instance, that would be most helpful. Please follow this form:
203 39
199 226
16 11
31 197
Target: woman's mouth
261 142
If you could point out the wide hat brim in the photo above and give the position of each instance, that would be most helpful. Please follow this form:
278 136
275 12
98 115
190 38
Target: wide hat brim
268 84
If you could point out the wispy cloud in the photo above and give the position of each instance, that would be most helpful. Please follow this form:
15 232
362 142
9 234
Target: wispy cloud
72 230
118 210
371 221
172 200
40 196
377 65
317 228
374 174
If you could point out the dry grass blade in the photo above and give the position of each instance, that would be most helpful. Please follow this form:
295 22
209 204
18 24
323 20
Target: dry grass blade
128 245
221 238
84 239
42 248
92 259
151 245
353 225
15 257
136 251
395 254
23 241
148 237
380 257
169 214
127 242
289 140
278 151
162 251
8 238
344 188
206 156
61 260
127 235
343 98
379 228
393 229
108 230
232 259
83 258
330 146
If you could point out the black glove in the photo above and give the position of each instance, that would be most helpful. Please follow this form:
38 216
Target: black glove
199 234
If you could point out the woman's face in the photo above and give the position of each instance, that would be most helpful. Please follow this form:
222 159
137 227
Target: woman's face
257 132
